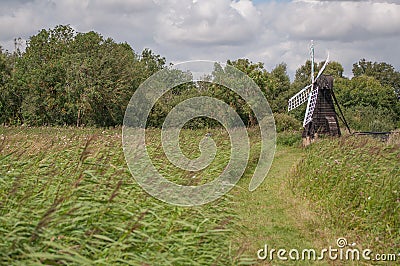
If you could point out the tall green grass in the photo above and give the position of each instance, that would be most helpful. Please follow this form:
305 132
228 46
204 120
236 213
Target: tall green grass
289 138
66 197
355 185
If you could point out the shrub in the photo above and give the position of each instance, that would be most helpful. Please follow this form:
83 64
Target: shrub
368 118
285 122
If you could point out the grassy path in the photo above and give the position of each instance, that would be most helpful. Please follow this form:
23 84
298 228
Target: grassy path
272 215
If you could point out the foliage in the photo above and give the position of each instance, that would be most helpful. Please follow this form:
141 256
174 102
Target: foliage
278 88
368 105
355 184
367 118
285 122
67 197
7 96
334 69
275 84
255 71
70 78
383 72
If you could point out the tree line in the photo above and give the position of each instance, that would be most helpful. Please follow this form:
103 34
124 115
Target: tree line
66 77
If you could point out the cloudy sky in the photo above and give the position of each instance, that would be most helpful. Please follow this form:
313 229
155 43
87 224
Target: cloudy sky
270 31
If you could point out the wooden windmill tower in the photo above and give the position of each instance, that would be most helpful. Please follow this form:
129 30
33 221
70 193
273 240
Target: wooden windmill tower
320 117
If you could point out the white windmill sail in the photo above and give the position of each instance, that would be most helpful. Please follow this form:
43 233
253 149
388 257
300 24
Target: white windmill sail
312 100
312 63
303 95
299 98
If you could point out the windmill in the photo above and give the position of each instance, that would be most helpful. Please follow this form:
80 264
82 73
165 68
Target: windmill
320 116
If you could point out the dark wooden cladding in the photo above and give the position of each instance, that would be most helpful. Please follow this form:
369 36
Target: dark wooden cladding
324 120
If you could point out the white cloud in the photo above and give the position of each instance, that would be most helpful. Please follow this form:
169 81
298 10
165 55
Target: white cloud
207 22
271 32
339 20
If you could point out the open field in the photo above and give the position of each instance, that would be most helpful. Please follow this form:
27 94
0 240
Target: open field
67 197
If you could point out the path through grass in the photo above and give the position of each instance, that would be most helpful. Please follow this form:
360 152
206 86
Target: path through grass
272 215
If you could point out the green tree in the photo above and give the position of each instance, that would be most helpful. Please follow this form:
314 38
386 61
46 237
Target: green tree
10 96
278 88
255 71
100 80
368 105
5 76
383 72
151 62
41 76
71 78
334 69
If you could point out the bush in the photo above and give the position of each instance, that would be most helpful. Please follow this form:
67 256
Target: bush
285 122
368 118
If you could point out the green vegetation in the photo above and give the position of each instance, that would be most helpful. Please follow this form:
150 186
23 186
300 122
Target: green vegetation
289 138
354 183
272 215
66 197
368 105
71 78
285 122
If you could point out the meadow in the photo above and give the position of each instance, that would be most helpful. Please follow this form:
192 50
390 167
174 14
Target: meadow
67 198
